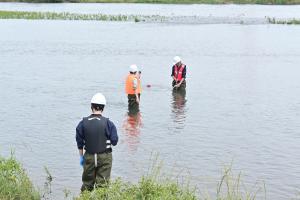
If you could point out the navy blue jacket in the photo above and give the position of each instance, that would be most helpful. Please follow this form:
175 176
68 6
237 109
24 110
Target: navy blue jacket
111 133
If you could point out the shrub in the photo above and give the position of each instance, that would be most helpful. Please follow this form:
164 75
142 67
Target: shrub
14 182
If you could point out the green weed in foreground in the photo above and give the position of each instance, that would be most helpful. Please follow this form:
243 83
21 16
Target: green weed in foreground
153 186
146 188
232 188
14 182
156 186
15 185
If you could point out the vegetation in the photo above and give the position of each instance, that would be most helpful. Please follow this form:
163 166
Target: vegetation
104 17
146 188
64 16
267 2
280 2
14 182
37 1
158 186
231 187
152 186
288 22
76 16
15 185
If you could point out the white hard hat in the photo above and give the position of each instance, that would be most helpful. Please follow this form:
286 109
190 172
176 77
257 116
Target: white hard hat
176 59
133 68
99 99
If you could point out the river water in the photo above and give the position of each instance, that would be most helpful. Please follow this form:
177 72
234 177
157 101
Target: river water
241 104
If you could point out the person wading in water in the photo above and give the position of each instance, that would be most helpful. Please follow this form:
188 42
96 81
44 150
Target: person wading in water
178 74
133 89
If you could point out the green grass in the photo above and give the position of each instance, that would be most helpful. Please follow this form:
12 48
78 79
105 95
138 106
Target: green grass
155 185
265 2
146 188
160 186
231 187
65 16
104 17
288 22
14 182
75 16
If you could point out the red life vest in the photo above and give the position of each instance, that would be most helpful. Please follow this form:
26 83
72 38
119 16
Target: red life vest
178 72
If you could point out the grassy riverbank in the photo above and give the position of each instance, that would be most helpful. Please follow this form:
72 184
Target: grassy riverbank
287 22
65 16
14 182
146 188
269 2
156 186
264 2
15 185
132 18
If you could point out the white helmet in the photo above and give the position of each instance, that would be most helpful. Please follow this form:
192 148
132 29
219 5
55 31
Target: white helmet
99 99
176 59
133 68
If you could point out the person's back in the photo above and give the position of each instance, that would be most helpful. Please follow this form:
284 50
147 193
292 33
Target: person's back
95 134
95 137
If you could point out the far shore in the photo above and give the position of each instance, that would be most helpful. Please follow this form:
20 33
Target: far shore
133 18
259 2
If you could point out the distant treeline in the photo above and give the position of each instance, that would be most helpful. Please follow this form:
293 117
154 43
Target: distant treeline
264 2
38 1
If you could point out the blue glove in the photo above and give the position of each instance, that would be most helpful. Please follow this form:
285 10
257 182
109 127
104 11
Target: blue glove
81 161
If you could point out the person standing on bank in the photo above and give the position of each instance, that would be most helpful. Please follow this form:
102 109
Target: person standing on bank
133 88
96 134
178 74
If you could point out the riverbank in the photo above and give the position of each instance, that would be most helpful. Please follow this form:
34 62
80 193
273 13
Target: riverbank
15 184
261 2
287 22
141 18
64 16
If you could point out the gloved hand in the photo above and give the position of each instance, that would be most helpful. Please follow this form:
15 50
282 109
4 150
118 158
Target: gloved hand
81 161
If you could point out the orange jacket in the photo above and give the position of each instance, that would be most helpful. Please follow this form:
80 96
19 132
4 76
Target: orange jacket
129 87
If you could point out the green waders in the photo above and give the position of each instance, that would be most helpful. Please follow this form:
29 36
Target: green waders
96 170
133 105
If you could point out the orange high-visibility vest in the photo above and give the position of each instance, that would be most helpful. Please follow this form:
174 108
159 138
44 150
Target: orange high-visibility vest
129 89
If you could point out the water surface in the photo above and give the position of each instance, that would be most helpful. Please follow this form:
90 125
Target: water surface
241 103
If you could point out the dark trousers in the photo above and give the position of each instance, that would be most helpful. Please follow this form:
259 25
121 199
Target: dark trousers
133 106
96 176
182 86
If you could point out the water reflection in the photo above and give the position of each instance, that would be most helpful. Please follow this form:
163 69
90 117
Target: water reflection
178 107
132 128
